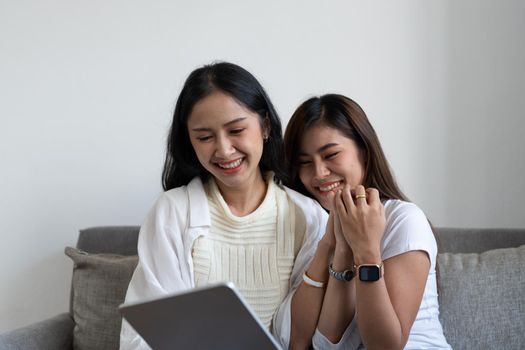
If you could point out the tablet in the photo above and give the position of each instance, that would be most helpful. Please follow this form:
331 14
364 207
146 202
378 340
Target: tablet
212 317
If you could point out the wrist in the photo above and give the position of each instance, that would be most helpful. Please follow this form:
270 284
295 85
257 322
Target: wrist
317 268
369 272
325 246
343 259
372 256
311 282
342 247
345 275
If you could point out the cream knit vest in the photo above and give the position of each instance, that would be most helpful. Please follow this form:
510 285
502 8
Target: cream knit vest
255 252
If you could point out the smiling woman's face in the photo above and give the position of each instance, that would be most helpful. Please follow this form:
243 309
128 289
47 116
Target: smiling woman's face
228 140
327 161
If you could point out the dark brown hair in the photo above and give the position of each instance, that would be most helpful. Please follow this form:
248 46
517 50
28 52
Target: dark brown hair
345 115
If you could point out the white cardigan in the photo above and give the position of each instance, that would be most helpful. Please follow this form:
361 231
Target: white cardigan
165 263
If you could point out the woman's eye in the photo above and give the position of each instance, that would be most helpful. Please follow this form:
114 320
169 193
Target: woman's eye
331 155
236 131
204 138
304 162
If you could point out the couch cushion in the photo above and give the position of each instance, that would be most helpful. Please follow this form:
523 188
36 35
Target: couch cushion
482 298
99 286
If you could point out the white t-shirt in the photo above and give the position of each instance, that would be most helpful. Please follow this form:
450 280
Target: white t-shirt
407 229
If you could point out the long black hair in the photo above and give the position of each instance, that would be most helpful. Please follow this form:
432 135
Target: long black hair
181 163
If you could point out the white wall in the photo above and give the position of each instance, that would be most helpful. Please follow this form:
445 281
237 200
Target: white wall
486 124
87 89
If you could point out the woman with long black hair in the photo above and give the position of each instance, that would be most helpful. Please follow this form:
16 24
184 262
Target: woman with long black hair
224 215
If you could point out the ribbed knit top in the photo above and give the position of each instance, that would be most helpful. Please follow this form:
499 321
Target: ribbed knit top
256 252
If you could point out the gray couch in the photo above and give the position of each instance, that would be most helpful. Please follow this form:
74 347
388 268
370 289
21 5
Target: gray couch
481 290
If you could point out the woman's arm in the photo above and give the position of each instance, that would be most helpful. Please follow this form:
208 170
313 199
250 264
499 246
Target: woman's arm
159 270
386 308
307 300
339 300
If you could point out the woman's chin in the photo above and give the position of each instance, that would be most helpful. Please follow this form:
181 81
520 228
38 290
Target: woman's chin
325 203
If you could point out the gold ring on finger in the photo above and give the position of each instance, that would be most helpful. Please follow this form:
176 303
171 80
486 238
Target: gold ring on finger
359 196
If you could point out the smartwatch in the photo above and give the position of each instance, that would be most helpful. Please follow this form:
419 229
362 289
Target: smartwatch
345 276
369 272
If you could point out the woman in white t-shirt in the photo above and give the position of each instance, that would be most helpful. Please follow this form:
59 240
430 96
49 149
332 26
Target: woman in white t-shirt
380 288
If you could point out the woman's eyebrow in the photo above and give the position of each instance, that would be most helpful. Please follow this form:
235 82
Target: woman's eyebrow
236 120
321 149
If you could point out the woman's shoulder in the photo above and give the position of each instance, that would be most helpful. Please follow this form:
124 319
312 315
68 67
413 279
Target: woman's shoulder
406 219
180 197
181 206
407 228
173 195
396 210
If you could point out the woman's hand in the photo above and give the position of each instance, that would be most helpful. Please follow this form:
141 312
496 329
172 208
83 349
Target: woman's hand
341 244
362 219
333 236
328 240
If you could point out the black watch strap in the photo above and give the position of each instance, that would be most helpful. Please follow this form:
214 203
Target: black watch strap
345 276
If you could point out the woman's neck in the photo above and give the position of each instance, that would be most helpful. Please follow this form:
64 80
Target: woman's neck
244 200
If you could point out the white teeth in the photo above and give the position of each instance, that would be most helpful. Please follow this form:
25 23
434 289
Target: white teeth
329 188
231 165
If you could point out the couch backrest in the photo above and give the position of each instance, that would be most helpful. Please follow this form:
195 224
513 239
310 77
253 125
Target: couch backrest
123 239
477 240
109 239
481 296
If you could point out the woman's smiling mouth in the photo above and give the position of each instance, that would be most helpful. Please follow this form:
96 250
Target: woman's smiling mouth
329 186
231 166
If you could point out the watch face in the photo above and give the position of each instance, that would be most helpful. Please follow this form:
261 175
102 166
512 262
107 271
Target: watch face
369 273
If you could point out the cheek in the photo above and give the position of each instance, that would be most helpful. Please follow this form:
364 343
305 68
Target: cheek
358 171
304 176
196 149
200 151
253 146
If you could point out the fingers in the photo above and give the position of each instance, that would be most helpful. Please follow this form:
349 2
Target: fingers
339 204
336 222
346 195
372 195
346 200
338 229
360 196
330 223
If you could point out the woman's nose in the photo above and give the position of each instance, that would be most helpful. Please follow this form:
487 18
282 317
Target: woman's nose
321 170
224 147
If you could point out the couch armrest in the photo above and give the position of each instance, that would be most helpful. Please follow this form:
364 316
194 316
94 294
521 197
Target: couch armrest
53 333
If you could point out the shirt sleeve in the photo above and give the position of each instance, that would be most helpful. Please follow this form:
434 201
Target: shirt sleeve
159 270
407 229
